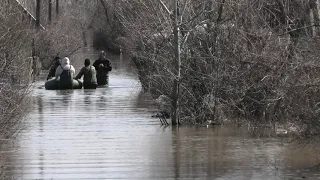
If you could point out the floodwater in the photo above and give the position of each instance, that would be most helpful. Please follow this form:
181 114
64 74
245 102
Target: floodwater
108 133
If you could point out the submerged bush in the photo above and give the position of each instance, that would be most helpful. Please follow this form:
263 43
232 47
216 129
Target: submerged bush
256 63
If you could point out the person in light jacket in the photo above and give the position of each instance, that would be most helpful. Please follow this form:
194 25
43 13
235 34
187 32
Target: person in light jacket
65 73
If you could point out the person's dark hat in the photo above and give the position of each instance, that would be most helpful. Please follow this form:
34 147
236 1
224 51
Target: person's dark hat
87 62
103 55
57 61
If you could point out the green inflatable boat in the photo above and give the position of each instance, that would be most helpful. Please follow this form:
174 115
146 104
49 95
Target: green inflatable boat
53 84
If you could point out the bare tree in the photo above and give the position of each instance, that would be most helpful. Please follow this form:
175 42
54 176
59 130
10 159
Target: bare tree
38 15
83 12
57 8
237 57
16 32
50 11
315 14
67 34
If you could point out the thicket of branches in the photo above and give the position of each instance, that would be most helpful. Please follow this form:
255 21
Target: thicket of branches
20 41
65 34
253 60
16 32
241 60
106 26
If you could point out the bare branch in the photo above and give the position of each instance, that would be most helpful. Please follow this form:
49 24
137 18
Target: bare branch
165 7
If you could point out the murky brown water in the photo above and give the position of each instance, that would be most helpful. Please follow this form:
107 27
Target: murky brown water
108 134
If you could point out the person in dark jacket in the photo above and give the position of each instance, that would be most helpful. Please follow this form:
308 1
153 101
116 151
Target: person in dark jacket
103 67
89 75
53 67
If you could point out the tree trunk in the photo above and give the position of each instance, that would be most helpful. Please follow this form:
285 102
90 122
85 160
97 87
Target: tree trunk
38 5
177 65
50 12
33 51
176 142
293 39
57 8
84 37
315 13
105 7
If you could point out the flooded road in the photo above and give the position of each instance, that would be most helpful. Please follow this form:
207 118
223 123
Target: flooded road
107 133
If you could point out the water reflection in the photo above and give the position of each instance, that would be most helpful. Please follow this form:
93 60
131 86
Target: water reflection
89 103
108 133
41 131
40 112
176 152
222 153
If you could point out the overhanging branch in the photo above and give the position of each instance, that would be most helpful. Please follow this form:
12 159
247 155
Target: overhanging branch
165 7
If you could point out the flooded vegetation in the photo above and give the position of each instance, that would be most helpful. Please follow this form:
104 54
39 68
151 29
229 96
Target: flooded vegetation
108 133
187 70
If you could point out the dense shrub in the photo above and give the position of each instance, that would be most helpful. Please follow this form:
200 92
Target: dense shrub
240 60
16 32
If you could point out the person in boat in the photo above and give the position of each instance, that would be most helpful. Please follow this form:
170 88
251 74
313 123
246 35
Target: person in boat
103 66
89 75
65 73
53 67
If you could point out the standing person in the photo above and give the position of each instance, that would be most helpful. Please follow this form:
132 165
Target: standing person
103 67
89 75
66 73
53 67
